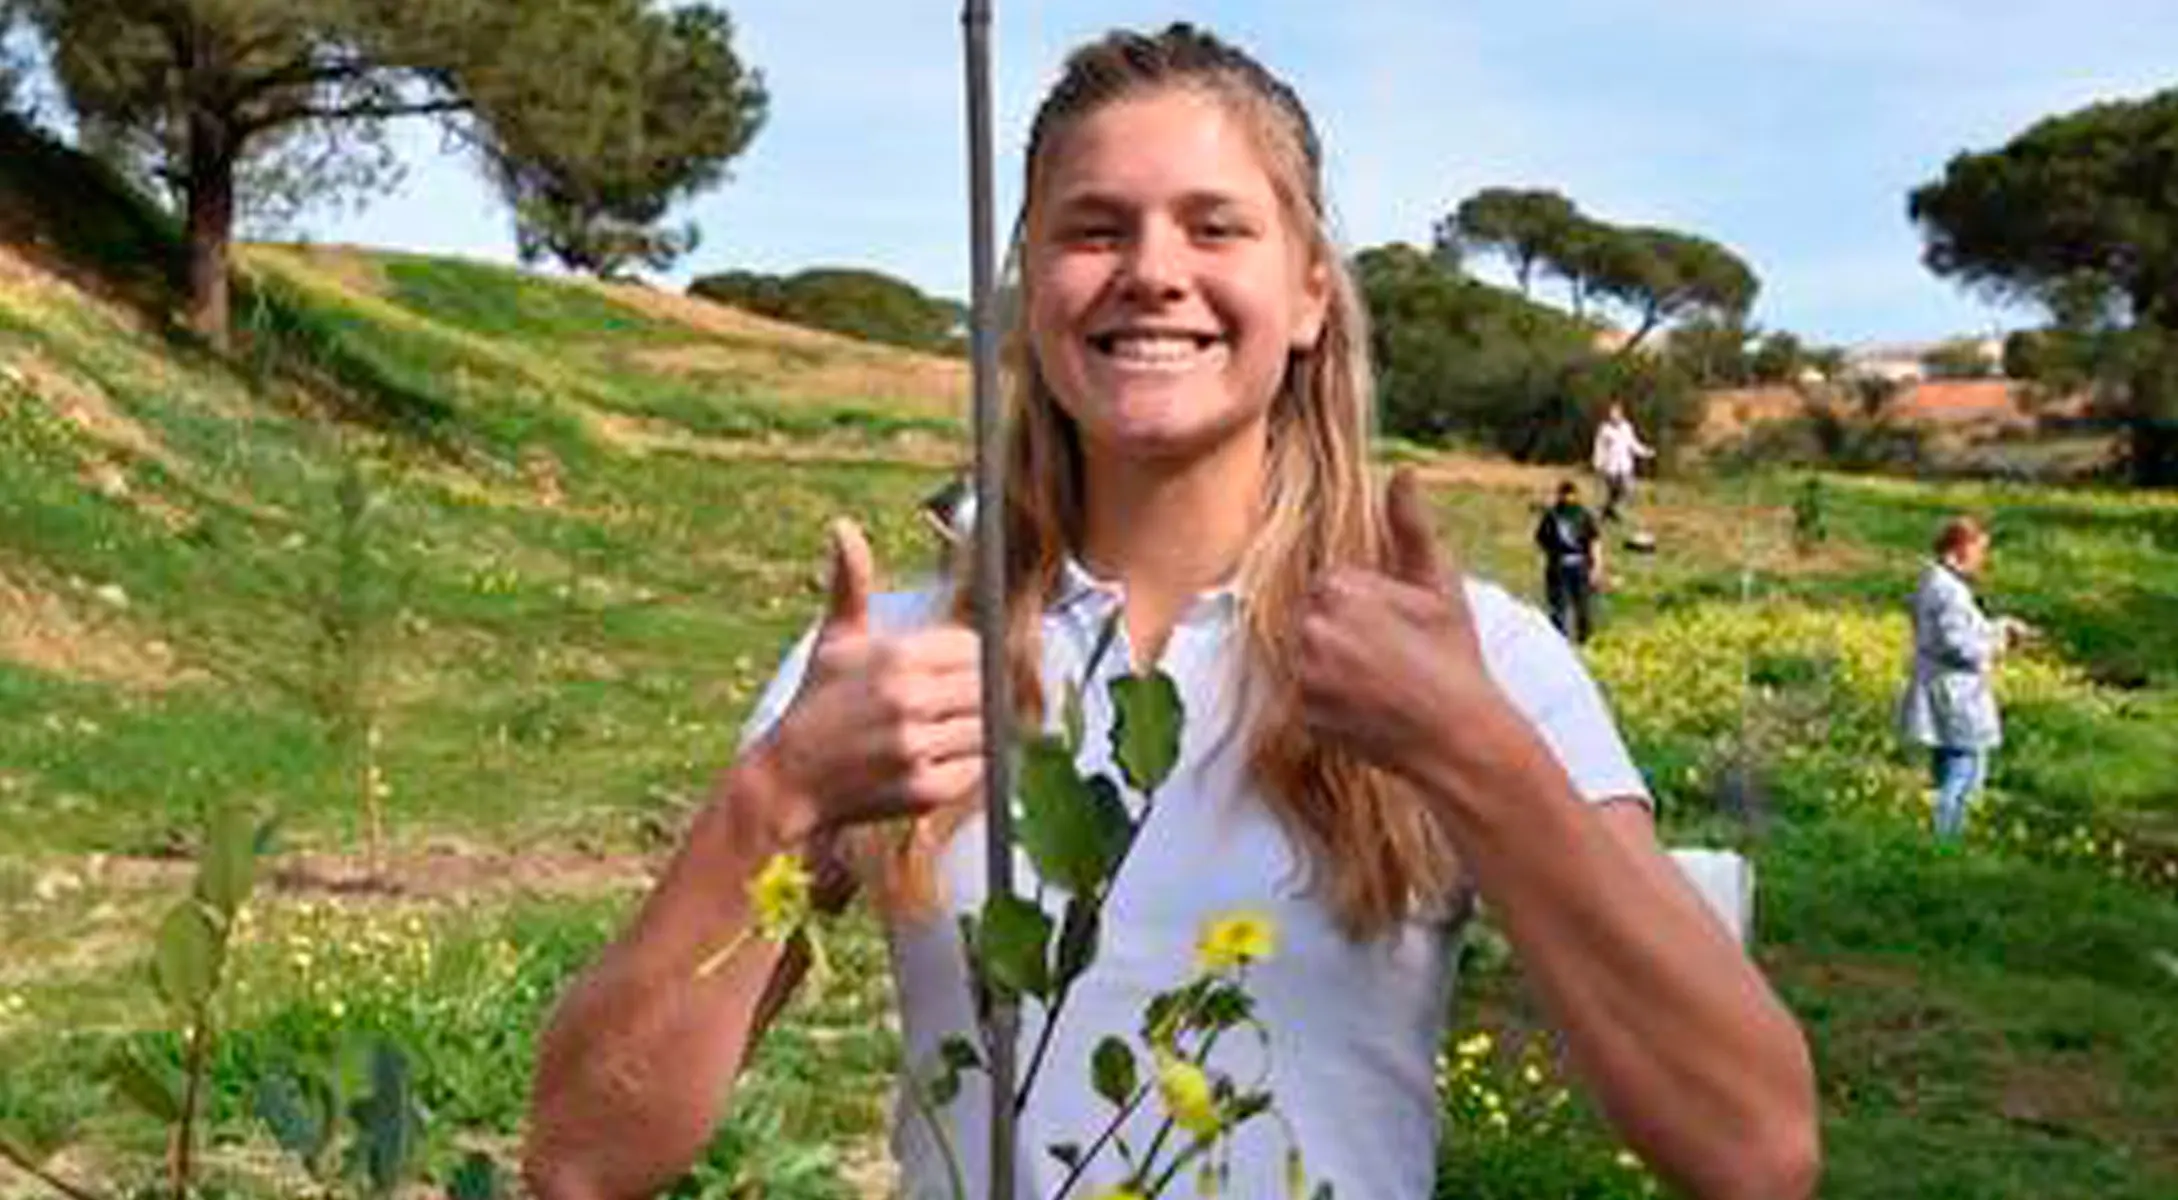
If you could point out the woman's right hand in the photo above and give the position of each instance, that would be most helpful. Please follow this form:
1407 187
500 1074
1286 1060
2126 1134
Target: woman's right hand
884 725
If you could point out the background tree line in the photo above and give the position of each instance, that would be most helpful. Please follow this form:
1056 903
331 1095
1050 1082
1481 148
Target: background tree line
859 303
2078 216
591 118
1462 359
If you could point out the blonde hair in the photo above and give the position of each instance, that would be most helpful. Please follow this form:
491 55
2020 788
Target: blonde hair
1371 847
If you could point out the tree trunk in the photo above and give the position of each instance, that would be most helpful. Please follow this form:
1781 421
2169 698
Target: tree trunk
211 224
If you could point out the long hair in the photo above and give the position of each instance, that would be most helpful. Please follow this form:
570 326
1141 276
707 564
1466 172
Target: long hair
1371 849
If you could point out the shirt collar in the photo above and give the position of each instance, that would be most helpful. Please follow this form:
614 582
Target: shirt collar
1094 598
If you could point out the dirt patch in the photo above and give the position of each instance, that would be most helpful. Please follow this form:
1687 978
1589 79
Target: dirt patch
48 633
441 871
86 406
792 361
641 435
1730 412
720 319
351 267
1490 474
849 371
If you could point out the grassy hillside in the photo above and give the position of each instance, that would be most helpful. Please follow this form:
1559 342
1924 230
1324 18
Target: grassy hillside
510 557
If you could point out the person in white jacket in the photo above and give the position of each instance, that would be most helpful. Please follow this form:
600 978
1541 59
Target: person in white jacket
1617 449
1949 705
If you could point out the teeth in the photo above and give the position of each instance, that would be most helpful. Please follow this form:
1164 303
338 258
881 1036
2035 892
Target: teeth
1154 347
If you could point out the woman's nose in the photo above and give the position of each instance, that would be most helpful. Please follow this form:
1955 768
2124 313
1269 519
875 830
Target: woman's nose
1155 266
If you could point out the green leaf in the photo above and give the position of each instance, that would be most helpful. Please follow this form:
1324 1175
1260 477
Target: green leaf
1072 830
227 869
1111 1069
476 1178
944 1086
960 1054
388 1125
1015 934
152 1089
1146 728
299 1111
185 961
1223 1007
1077 939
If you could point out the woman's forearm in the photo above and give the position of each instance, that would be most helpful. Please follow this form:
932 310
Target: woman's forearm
1675 1032
641 1053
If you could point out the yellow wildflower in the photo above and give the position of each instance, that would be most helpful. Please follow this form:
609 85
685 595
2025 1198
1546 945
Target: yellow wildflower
780 896
1187 1096
1234 940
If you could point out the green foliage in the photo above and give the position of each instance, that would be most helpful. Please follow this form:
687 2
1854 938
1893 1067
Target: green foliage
1657 275
2075 213
89 218
667 103
1146 729
1527 227
284 103
1074 830
1459 359
860 303
1959 358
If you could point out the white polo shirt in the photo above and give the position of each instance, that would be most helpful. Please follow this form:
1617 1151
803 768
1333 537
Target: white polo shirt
1354 1026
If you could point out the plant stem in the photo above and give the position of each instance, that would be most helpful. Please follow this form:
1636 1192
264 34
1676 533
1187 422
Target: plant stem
1043 1048
1194 1151
24 1163
1111 1131
182 1153
937 1131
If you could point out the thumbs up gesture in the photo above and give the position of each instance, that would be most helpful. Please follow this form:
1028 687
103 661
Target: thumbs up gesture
1387 660
885 724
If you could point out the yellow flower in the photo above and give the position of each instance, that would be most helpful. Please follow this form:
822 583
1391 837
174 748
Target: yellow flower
1234 940
1188 1099
780 896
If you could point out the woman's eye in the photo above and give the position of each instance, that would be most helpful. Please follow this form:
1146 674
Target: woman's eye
1221 230
1092 234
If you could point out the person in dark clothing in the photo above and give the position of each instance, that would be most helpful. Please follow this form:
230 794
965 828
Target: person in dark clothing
1572 563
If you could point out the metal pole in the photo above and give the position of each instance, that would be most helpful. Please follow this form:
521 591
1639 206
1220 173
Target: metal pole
990 558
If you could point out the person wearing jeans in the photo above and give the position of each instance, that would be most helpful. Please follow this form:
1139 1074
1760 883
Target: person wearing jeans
1950 706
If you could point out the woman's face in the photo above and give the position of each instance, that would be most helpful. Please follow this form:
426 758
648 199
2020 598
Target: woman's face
1167 291
1971 555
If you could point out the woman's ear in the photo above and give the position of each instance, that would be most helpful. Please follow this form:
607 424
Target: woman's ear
1314 307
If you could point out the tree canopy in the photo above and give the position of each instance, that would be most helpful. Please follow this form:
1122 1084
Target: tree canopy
1459 359
593 116
1657 276
860 303
2079 214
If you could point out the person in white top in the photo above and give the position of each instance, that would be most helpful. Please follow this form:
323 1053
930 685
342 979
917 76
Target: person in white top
1371 740
1617 451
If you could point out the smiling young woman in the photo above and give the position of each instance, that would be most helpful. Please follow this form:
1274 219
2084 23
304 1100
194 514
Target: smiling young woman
1371 737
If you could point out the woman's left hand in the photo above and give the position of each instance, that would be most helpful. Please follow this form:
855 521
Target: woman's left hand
1388 662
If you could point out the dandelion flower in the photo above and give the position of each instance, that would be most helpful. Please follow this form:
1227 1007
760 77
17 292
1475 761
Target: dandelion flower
780 896
1234 940
1187 1096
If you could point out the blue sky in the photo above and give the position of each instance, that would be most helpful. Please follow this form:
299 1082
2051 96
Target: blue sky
1791 130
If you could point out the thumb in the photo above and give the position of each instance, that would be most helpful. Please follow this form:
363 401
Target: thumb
1411 553
847 607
